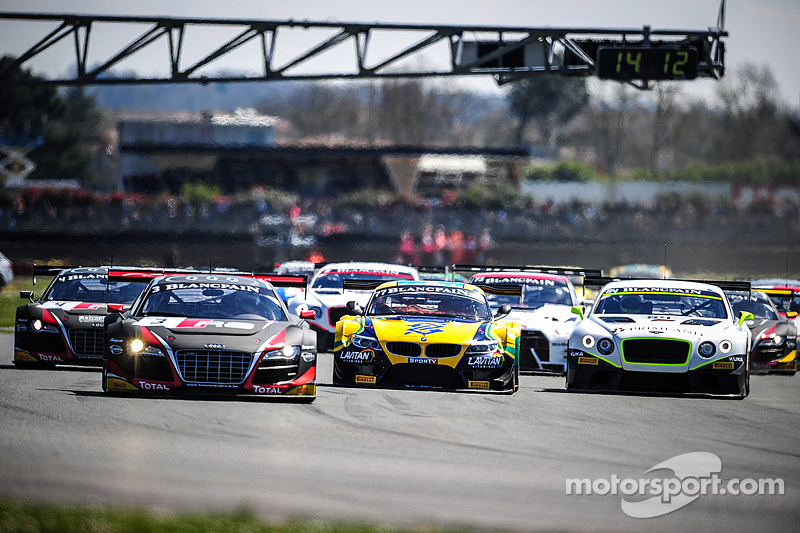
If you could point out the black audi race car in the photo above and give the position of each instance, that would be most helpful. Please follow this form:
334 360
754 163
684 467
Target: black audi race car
210 334
774 345
65 324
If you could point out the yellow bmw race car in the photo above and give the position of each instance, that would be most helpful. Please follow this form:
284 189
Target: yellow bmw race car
429 335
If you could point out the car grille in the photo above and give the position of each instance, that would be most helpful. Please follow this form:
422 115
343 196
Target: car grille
415 375
442 350
529 342
404 349
335 313
213 366
656 351
86 342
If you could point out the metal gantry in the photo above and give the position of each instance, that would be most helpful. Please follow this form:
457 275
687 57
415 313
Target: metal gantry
507 53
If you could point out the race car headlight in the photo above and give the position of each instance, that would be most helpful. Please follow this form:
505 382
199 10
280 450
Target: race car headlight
725 346
605 346
777 339
38 325
706 349
482 347
140 348
587 341
363 341
287 352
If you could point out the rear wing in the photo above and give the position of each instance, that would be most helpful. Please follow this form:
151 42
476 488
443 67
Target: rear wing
507 289
42 270
363 284
743 286
500 289
144 275
576 275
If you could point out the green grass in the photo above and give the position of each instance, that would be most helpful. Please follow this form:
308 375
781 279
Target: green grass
10 300
19 517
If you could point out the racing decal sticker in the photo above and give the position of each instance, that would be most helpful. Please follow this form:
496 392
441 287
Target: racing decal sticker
587 360
723 365
193 323
660 290
484 361
438 289
366 379
70 306
520 281
658 328
365 356
207 285
423 360
424 328
153 386
478 384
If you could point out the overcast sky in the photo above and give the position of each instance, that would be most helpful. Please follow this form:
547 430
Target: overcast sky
765 32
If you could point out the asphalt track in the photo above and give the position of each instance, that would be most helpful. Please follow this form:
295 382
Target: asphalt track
397 457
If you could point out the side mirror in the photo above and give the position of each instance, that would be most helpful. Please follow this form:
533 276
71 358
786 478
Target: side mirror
745 315
354 308
791 314
578 310
26 294
115 308
307 313
504 310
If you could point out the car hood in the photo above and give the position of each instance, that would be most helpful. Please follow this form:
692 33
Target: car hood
546 313
626 326
426 329
209 326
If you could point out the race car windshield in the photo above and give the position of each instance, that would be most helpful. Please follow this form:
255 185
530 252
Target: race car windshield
786 303
95 290
756 305
333 280
426 304
533 297
213 303
660 303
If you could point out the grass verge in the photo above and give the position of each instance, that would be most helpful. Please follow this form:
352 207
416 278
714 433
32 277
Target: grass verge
19 517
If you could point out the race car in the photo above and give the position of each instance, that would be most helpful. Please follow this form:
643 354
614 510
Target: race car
543 311
661 336
65 324
774 343
209 334
430 335
326 297
785 294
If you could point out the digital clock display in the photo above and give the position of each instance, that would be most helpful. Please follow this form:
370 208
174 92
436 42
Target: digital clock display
640 63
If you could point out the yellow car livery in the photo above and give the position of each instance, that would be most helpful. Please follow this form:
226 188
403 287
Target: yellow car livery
427 334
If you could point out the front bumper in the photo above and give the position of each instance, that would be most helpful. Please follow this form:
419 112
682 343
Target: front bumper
588 372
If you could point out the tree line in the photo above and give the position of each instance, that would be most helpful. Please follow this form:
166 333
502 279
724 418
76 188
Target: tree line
618 133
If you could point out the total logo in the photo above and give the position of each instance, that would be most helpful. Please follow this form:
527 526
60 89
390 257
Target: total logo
146 385
258 389
50 358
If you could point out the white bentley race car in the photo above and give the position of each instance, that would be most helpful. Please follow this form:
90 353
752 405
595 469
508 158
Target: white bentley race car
661 336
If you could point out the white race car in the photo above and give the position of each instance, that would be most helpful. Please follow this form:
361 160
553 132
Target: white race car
544 311
326 297
661 336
